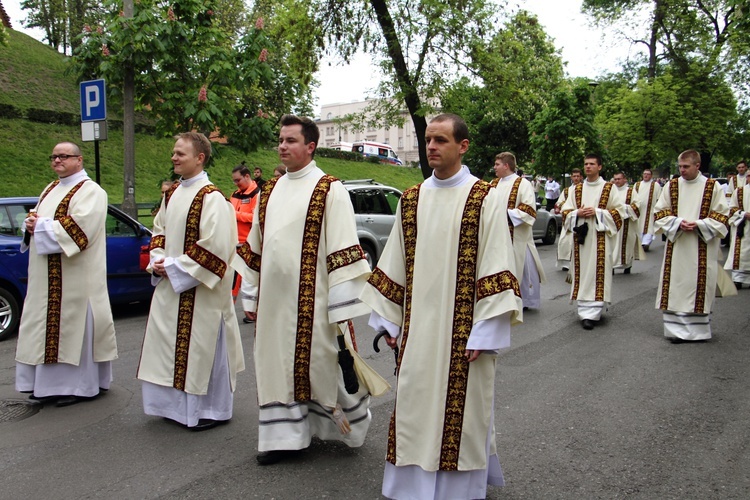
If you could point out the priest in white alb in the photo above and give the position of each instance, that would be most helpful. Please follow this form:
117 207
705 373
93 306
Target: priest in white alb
192 351
692 212
446 293
303 270
738 259
518 195
740 180
648 191
565 240
66 340
594 214
628 247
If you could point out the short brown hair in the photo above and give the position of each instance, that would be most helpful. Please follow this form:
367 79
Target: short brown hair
200 143
508 158
460 129
690 155
576 171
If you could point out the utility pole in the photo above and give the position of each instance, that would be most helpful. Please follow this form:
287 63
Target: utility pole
128 131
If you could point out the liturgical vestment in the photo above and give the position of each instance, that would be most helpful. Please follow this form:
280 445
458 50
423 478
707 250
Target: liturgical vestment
690 267
192 326
627 247
592 259
738 259
648 194
518 195
304 269
444 284
66 326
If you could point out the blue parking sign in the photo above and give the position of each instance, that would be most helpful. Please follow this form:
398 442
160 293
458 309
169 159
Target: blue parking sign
93 101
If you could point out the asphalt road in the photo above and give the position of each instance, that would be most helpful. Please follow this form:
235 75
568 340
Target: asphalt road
609 413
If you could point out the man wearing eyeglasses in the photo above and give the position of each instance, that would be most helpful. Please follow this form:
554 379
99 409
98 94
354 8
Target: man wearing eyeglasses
66 341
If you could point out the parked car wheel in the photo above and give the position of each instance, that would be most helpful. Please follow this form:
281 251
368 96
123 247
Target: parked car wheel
550 235
10 314
369 253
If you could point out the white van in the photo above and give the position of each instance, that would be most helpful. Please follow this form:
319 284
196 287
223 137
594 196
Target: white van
384 152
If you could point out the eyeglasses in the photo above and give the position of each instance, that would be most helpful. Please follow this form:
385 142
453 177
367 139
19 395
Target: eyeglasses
62 157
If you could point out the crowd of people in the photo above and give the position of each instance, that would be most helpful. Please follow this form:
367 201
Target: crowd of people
287 247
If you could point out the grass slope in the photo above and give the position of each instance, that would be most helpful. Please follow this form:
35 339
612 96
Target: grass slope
32 75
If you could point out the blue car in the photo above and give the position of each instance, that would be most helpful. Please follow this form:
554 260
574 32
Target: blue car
125 279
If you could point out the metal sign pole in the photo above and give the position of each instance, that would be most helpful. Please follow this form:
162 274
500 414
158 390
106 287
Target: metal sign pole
96 159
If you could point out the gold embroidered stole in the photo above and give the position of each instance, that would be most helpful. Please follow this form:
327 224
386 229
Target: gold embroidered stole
700 292
738 240
307 280
54 273
187 298
463 313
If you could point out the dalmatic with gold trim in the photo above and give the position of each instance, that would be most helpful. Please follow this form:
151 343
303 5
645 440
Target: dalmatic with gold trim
691 258
448 265
61 285
196 227
302 250
738 259
627 247
592 261
517 194
648 194
565 240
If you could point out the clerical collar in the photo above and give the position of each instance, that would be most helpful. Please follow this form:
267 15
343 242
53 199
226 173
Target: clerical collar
303 171
508 178
461 177
598 181
697 177
189 182
74 178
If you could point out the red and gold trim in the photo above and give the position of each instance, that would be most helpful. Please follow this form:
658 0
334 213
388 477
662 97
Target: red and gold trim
648 207
54 280
527 209
387 287
578 193
723 219
674 198
251 259
700 292
186 307
463 319
207 260
345 257
307 279
157 242
497 283
494 182
738 240
663 213
265 194
74 231
601 257
169 193
47 191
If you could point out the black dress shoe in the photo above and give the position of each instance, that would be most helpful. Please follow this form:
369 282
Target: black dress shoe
738 285
44 399
626 271
273 456
206 423
73 400
248 320
587 324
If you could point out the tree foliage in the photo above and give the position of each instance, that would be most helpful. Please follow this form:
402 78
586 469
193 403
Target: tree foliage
519 70
564 132
422 47
191 73
62 20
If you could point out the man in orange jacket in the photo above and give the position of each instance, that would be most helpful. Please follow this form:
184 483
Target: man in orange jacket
243 200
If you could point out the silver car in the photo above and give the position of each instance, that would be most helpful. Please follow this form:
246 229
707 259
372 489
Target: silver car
375 212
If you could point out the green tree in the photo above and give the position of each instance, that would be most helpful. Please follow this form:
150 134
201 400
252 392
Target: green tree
564 132
519 71
62 20
189 71
422 47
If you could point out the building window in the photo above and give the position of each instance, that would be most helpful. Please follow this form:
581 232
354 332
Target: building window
400 143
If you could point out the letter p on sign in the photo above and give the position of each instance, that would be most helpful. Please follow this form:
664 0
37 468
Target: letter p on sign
93 101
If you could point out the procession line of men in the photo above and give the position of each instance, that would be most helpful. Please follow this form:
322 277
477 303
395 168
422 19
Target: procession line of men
448 326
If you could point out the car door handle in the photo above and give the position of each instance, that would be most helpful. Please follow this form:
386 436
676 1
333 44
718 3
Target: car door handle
370 220
9 251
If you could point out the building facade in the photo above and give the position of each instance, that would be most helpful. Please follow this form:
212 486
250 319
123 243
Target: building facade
332 131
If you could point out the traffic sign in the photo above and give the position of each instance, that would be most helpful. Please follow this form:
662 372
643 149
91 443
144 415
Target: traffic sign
93 101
